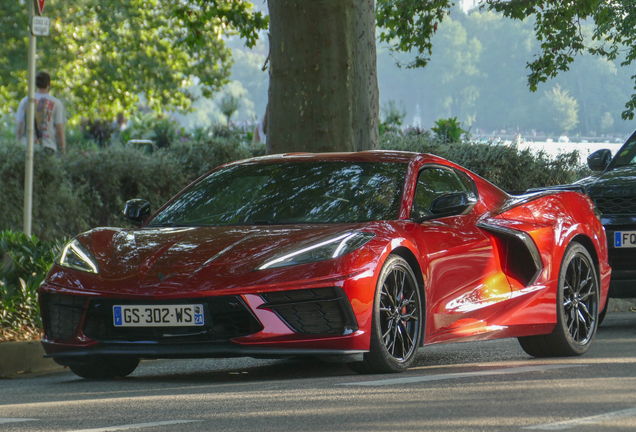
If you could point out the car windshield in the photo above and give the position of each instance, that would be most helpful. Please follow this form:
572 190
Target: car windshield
627 154
309 192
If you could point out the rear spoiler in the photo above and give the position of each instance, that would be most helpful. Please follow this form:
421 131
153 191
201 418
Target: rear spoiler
534 193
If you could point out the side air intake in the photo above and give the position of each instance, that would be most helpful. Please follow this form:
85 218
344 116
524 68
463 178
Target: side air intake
522 258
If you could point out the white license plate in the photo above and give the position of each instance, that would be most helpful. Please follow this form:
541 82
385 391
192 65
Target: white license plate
625 239
158 315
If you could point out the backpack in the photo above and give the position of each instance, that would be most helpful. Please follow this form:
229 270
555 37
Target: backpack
38 134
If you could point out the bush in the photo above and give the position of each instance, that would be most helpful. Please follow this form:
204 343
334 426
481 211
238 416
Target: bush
161 129
24 263
107 178
506 166
98 131
87 189
206 153
59 206
448 130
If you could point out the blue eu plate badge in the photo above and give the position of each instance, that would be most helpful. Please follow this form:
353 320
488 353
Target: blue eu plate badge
117 313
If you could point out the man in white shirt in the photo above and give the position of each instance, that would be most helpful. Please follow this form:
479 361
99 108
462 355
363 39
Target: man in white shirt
50 117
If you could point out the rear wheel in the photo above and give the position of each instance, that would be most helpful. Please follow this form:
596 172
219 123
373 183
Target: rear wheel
103 368
577 309
397 320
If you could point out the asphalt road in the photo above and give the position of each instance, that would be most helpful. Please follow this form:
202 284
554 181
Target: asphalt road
481 386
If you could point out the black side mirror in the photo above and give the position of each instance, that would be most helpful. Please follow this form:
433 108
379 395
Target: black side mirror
137 211
599 160
452 203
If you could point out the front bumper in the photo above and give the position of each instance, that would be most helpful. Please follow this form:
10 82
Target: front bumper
302 322
622 260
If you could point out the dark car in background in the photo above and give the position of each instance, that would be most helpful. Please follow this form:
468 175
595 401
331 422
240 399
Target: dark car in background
612 187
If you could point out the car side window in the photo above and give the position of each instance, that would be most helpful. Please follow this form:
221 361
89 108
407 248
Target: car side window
432 183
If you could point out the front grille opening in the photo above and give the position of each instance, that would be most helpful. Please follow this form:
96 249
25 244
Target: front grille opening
61 315
616 205
316 311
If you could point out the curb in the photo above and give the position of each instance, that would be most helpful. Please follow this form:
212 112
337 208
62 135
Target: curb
24 357
621 305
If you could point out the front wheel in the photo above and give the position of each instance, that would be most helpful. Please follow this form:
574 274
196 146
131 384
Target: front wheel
103 368
397 321
577 309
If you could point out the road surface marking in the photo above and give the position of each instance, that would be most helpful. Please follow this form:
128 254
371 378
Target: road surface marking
136 426
417 379
15 420
569 424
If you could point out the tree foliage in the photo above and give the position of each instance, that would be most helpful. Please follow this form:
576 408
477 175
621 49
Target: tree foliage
103 55
559 110
559 25
478 74
409 26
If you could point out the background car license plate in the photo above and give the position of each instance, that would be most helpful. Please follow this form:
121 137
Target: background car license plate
158 315
625 239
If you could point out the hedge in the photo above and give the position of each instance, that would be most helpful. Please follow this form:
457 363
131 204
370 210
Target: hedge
87 189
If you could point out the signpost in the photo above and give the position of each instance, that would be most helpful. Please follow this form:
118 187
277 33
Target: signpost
39 27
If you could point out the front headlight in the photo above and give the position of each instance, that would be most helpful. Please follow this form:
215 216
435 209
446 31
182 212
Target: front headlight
77 257
328 249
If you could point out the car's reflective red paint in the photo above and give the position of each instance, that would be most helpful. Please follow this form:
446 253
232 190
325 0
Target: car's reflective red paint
469 293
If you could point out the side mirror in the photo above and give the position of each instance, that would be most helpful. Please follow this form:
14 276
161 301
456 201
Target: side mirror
452 203
599 160
137 211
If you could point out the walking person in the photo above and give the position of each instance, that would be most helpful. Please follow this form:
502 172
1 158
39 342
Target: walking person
50 117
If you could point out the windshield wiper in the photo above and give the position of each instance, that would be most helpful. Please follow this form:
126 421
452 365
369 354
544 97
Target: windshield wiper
167 224
267 222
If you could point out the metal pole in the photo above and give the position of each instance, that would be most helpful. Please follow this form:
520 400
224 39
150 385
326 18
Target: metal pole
28 177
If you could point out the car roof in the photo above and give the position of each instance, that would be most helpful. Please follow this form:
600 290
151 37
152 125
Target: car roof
363 156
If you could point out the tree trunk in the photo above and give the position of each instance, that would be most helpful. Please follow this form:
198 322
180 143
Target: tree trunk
323 86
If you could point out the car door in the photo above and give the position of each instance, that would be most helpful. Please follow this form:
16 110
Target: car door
463 279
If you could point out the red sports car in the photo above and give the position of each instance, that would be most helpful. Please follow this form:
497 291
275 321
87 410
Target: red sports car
366 256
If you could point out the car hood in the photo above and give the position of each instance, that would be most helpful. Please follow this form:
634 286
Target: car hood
618 182
162 261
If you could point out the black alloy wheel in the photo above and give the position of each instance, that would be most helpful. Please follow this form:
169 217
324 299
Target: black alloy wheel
580 299
577 309
397 320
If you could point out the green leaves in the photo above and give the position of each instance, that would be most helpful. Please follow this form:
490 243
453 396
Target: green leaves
103 55
410 24
24 263
448 130
559 29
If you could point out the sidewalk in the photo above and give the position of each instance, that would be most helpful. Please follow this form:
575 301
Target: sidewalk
24 357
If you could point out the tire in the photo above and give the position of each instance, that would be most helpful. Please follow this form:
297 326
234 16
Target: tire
601 316
104 368
395 331
577 309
